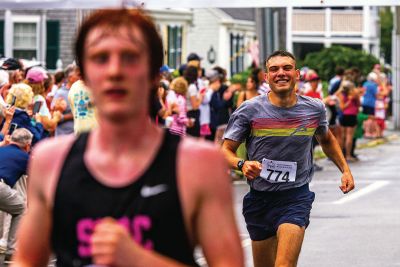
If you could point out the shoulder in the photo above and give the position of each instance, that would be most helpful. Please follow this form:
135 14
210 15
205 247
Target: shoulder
311 101
12 152
192 88
194 148
200 160
39 98
46 161
252 103
47 153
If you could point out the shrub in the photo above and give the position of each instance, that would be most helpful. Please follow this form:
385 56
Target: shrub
326 60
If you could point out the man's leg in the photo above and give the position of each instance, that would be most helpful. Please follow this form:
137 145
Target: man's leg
290 239
13 203
264 252
21 188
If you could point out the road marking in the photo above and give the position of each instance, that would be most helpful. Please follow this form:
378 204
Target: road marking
246 242
363 191
240 182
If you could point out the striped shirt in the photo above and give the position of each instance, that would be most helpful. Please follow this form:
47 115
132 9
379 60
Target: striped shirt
178 126
281 134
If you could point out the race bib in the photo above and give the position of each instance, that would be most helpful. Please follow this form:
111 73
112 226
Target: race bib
275 171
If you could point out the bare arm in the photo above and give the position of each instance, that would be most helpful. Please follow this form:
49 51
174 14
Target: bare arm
50 124
240 98
196 101
9 114
206 192
331 148
251 169
34 232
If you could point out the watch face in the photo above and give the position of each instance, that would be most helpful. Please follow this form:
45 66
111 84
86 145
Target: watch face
240 164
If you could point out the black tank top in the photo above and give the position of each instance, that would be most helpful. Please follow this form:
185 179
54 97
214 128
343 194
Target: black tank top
149 208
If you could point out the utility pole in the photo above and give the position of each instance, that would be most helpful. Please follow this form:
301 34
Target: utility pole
269 28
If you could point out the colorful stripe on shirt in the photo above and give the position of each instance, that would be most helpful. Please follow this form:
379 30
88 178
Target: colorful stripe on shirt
284 127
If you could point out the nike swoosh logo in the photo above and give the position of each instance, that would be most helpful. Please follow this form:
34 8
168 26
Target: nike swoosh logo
148 191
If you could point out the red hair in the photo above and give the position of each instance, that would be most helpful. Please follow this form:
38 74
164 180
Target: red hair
117 18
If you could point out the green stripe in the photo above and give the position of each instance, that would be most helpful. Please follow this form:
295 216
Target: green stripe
282 132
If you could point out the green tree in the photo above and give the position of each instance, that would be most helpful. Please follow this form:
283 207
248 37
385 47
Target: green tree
326 60
386 19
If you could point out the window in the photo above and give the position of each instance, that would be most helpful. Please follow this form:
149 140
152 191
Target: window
25 40
237 53
174 48
52 43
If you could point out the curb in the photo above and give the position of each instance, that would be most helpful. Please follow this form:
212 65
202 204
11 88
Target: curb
370 144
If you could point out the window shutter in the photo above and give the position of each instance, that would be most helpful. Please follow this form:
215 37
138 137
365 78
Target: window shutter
1 38
52 43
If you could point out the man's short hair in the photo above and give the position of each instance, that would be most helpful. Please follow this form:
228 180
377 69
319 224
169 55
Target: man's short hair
279 53
59 77
22 137
113 19
339 70
69 69
372 76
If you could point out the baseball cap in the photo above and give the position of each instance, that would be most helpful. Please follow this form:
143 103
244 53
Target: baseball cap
11 64
193 56
36 75
212 75
313 77
165 68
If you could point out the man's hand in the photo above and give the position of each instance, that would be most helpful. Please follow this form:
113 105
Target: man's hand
347 182
57 115
6 140
60 105
112 244
251 169
9 113
38 118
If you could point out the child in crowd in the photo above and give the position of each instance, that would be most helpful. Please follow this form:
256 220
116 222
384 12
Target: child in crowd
381 105
205 112
179 116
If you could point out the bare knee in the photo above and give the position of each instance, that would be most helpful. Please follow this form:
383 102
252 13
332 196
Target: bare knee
285 262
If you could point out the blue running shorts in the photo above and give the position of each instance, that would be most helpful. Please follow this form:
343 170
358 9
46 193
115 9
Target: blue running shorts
265 211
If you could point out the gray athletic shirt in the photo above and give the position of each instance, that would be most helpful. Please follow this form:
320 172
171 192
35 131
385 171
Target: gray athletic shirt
276 133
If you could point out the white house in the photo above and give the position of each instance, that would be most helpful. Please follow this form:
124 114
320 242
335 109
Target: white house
311 29
48 35
223 37
174 25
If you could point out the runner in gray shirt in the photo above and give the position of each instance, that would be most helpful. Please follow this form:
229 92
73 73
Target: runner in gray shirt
278 128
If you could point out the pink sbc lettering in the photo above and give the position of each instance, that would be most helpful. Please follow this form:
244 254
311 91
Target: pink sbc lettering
140 224
136 226
84 231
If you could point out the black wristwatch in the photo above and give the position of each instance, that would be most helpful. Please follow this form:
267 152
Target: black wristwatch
240 164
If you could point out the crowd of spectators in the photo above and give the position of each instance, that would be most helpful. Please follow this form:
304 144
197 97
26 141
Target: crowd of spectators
357 106
34 104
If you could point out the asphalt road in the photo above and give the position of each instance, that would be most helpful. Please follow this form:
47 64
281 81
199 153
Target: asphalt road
358 229
361 229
